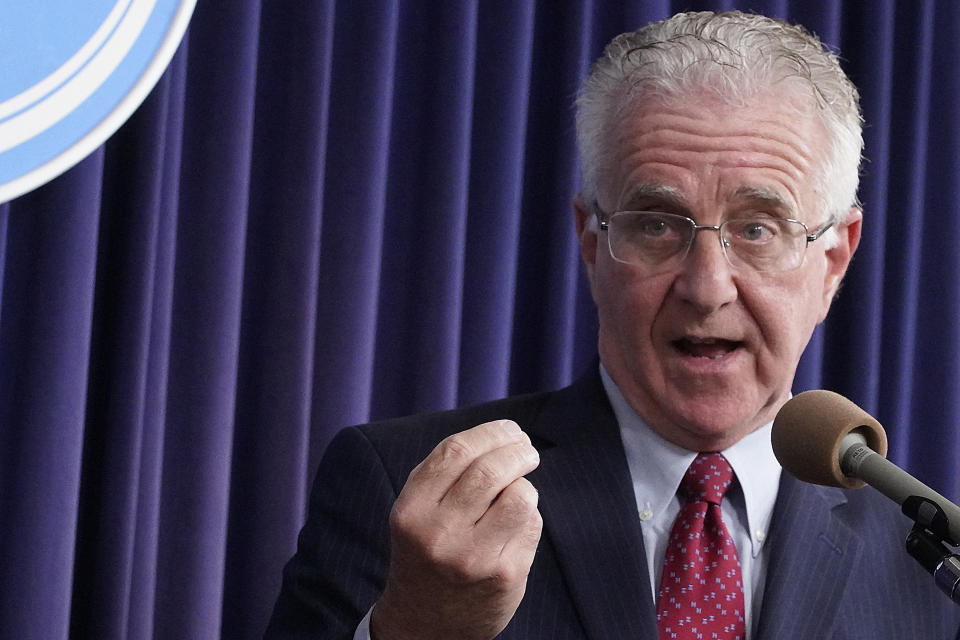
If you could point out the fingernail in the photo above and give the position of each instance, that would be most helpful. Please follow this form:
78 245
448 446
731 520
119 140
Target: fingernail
510 427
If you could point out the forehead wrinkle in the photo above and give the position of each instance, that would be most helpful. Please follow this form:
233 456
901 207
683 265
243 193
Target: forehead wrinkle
778 141
780 170
787 149
747 150
785 132
673 196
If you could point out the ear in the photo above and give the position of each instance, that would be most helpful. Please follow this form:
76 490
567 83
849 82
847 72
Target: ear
838 257
586 224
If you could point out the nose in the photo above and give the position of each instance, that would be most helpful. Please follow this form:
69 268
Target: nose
705 279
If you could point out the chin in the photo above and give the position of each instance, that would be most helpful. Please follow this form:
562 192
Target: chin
712 427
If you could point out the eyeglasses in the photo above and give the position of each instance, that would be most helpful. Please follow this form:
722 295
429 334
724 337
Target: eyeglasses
661 241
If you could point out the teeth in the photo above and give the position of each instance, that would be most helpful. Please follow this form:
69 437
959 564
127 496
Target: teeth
709 348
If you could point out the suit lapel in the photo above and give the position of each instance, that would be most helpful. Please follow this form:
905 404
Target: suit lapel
589 513
811 558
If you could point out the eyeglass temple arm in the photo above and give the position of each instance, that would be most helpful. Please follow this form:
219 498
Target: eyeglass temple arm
823 230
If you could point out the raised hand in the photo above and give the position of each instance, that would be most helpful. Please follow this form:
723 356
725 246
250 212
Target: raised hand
464 532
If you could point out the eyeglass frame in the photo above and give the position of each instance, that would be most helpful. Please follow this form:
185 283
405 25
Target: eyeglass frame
603 218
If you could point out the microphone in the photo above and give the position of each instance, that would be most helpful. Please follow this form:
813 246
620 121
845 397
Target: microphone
824 438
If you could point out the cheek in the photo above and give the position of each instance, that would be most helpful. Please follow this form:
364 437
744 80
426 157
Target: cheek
786 316
626 304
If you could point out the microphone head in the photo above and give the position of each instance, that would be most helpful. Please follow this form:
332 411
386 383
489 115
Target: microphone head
807 433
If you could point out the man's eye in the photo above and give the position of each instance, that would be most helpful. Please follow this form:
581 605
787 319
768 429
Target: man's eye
654 228
758 231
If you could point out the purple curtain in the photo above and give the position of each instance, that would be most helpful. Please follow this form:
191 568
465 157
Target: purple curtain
331 212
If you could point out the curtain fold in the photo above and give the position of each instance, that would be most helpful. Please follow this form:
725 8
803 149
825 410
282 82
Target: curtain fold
331 212
934 407
44 384
355 192
119 495
279 308
504 41
425 210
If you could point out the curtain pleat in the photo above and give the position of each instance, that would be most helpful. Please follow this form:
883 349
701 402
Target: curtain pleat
931 424
280 299
49 266
205 331
354 208
542 342
420 299
861 298
121 432
502 72
331 212
906 200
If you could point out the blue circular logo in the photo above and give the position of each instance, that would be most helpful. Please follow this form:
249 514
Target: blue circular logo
72 73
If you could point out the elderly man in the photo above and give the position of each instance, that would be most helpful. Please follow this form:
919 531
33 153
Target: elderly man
717 219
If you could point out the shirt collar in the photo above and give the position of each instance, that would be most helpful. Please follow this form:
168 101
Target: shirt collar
657 466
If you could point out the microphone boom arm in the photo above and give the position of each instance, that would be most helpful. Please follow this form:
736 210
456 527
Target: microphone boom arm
918 502
860 461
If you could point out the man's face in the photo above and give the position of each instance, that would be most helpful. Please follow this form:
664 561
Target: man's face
706 352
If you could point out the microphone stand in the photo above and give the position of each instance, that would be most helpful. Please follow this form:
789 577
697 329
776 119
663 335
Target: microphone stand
925 544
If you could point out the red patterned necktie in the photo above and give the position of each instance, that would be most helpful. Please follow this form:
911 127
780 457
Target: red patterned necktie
701 592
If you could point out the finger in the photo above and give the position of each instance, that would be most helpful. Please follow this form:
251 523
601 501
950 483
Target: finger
512 522
432 478
519 551
484 480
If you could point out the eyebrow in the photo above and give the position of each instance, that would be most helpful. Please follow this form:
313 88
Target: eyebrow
670 197
768 197
650 191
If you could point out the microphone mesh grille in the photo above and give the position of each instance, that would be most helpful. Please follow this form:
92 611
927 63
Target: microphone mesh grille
807 433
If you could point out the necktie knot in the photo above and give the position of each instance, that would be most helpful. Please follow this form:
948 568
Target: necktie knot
707 479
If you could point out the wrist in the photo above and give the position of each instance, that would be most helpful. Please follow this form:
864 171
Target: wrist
385 624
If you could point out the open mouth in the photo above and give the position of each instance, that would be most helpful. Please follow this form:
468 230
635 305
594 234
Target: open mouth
713 348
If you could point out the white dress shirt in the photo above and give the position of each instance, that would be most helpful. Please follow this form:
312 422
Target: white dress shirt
658 466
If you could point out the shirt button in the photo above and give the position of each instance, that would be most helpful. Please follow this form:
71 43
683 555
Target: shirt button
760 535
645 514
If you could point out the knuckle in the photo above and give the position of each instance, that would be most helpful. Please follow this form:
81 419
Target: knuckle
536 522
518 501
463 569
409 520
516 509
455 448
531 535
498 469
484 474
425 539
526 491
508 574
402 519
525 488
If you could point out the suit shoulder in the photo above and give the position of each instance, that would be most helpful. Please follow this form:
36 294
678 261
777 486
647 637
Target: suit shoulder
402 443
437 425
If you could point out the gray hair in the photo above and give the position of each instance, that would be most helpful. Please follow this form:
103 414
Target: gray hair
735 55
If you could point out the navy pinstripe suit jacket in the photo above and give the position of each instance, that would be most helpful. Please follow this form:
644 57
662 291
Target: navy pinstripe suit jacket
837 565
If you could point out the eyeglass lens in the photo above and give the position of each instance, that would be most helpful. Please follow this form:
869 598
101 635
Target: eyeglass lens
655 239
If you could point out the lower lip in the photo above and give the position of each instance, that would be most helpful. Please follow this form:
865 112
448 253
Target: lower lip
708 363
